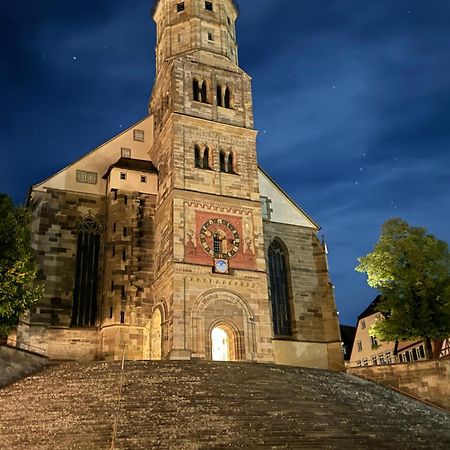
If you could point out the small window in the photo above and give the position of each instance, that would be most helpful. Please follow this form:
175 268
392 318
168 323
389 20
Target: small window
110 312
374 341
363 324
231 163
180 7
114 227
360 347
210 37
124 255
358 363
125 231
122 316
112 286
123 175
123 292
374 360
86 177
381 358
113 251
206 158
365 362
125 152
208 6
219 95
143 179
125 199
229 21
227 98
138 135
223 166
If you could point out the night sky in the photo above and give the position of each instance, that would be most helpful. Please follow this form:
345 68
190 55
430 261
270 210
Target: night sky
352 100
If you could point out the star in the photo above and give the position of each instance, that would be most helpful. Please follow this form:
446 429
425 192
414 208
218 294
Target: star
75 58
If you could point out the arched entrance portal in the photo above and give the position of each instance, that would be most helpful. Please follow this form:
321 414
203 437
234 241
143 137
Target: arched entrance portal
220 345
155 335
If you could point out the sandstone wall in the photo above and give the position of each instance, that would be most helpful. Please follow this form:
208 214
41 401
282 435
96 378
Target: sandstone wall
426 380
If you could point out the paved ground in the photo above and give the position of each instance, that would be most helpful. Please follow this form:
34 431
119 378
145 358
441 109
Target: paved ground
199 405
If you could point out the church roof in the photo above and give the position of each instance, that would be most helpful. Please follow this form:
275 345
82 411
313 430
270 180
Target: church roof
156 3
139 165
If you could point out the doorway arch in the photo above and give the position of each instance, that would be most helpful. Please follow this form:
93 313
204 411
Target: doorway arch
156 335
225 342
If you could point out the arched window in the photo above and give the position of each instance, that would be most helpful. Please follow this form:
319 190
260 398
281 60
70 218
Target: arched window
223 165
227 98
196 90
206 158
85 290
219 95
198 157
204 96
279 289
231 163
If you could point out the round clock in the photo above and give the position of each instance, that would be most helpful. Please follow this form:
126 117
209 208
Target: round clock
221 266
219 238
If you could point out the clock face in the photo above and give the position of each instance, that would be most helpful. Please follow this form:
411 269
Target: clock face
219 238
221 266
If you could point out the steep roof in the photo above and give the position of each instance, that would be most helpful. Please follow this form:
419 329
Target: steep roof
371 309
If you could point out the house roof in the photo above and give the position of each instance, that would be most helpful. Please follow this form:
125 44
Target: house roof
371 309
138 165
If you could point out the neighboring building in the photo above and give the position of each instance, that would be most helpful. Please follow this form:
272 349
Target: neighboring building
368 350
168 241
347 339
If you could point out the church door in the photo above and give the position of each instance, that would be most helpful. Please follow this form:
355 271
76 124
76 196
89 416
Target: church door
220 345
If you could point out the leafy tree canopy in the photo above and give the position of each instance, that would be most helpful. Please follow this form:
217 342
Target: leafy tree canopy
411 270
18 268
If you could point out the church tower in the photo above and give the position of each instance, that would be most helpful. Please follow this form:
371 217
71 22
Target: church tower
210 283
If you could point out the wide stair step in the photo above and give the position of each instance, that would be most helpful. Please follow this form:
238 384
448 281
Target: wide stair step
200 405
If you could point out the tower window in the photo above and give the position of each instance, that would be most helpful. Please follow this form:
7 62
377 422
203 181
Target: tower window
210 37
227 98
208 6
223 166
110 312
122 316
180 7
219 95
125 231
198 158
199 89
206 158
231 166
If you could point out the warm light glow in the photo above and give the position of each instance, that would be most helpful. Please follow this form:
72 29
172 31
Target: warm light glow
220 344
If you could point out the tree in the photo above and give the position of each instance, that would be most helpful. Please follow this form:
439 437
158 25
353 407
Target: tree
411 270
18 268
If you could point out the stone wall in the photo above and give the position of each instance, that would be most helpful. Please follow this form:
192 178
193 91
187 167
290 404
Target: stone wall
426 380
15 364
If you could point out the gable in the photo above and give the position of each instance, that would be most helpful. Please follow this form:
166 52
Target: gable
95 163
282 208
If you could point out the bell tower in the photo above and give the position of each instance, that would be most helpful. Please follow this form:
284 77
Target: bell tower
209 249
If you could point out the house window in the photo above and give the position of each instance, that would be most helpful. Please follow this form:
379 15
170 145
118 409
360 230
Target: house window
84 308
84 176
208 6
278 265
143 179
421 352
359 346
363 324
365 362
374 360
180 7
358 363
381 358
374 341
388 358
125 152
138 135
265 208
123 175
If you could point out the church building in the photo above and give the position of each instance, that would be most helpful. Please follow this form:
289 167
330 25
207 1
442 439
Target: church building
169 241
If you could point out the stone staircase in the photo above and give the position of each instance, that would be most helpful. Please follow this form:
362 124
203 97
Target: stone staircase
201 405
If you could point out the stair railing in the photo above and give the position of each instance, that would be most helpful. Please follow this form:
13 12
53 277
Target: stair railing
119 399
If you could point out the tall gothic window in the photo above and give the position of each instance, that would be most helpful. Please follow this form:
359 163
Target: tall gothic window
279 289
85 290
206 158
227 97
223 165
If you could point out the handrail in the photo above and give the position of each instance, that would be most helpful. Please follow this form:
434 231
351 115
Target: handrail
119 397
27 347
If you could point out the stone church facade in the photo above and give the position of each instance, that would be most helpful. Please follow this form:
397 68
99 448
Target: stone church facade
168 241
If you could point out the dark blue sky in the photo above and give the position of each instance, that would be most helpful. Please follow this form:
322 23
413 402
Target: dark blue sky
352 100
